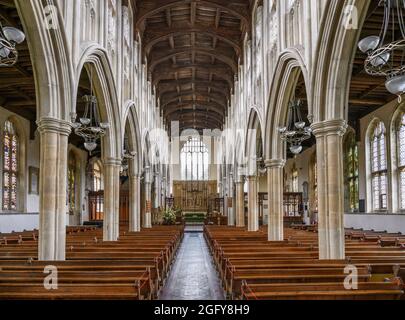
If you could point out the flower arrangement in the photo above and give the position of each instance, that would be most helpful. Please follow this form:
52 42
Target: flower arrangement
169 217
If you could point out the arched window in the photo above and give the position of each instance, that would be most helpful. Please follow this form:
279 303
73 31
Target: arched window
194 160
314 184
352 173
294 179
71 182
378 167
10 167
96 196
401 159
97 177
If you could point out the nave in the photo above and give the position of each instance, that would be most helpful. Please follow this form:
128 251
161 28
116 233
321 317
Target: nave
278 126
167 263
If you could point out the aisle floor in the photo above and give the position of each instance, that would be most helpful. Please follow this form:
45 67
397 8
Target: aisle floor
193 276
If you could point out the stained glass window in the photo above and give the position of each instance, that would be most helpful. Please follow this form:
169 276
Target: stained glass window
316 186
314 183
72 183
378 159
10 167
194 159
352 173
98 188
97 177
294 180
401 160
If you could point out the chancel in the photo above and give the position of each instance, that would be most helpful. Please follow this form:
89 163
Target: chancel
202 150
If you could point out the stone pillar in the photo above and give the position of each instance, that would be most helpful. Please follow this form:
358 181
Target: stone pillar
329 150
147 221
231 209
111 224
240 202
134 204
52 189
225 196
253 208
275 181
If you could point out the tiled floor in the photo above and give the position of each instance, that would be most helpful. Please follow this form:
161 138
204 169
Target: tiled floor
193 276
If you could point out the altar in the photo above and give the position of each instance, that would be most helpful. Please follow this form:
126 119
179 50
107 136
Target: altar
194 196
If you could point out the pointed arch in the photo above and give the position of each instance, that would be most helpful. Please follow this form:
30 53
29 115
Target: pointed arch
335 52
52 65
96 58
131 120
288 70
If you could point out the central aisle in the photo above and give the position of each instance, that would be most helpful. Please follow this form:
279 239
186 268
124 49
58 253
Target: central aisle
193 276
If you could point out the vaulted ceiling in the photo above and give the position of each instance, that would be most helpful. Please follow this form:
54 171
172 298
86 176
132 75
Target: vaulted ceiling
192 49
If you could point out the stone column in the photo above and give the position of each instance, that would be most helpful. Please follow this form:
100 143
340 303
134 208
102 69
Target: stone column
275 187
329 150
253 208
225 196
240 202
134 204
52 189
147 221
231 210
111 224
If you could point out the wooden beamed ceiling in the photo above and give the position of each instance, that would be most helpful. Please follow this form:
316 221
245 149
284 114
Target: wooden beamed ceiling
17 88
192 48
368 93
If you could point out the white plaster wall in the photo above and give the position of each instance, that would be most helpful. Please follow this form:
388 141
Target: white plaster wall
378 222
18 222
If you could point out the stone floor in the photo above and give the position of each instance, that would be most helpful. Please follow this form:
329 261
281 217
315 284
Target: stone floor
193 276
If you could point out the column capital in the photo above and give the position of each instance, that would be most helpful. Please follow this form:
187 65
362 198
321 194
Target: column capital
323 128
47 124
275 163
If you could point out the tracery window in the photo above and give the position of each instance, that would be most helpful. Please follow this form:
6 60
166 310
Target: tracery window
72 182
194 159
97 178
352 173
401 159
10 167
314 183
379 167
294 180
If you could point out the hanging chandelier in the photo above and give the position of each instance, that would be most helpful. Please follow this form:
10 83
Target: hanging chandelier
126 157
386 57
9 38
296 132
90 127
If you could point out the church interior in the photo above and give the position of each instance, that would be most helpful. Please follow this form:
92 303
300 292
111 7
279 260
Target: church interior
202 150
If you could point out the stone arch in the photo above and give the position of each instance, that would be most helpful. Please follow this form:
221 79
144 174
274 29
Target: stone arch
52 67
131 119
96 57
254 132
333 59
289 67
